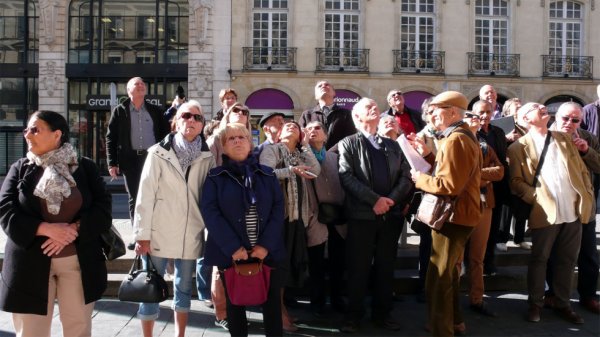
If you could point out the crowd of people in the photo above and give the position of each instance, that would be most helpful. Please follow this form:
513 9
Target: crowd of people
322 198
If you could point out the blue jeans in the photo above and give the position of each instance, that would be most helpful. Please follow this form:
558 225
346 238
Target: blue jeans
182 284
203 276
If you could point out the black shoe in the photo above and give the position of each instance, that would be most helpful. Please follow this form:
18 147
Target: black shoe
349 327
387 323
291 302
318 311
484 309
131 245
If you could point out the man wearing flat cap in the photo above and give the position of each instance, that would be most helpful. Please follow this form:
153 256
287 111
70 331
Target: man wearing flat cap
456 173
271 123
409 120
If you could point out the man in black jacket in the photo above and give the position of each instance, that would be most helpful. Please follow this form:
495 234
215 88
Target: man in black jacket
376 177
337 120
134 126
410 121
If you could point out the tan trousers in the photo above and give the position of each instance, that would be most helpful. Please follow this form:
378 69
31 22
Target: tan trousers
64 284
217 293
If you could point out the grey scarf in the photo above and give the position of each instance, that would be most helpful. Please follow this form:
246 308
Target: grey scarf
186 151
56 181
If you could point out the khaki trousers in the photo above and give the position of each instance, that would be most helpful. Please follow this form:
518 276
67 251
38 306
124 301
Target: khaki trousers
64 284
443 281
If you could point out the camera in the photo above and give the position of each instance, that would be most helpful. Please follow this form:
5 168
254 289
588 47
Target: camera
180 92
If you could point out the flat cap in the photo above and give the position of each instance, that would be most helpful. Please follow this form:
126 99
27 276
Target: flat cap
268 115
452 98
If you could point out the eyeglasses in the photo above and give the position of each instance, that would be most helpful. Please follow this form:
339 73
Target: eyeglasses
536 107
573 120
473 116
188 115
238 111
315 127
33 130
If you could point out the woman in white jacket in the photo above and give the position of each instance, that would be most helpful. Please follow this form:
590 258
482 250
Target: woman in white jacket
167 221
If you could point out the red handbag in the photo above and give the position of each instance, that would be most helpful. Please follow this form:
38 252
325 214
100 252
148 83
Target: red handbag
247 283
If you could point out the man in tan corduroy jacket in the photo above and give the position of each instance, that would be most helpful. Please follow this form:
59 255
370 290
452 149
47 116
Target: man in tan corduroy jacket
561 200
457 173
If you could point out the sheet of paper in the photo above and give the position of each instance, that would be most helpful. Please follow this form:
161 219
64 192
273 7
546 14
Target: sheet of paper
507 124
414 158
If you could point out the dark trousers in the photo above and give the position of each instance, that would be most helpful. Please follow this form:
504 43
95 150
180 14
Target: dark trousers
317 269
203 279
563 241
376 242
132 176
336 251
424 250
443 279
508 215
236 314
587 264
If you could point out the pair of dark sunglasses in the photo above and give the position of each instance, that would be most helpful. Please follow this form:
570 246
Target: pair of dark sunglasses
243 112
469 115
188 115
34 130
573 120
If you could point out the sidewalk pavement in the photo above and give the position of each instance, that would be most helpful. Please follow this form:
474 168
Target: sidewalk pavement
114 318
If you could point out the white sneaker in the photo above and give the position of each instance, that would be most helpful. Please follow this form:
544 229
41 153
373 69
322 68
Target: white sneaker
525 245
501 247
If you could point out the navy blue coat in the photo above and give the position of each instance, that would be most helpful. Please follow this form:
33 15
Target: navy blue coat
223 208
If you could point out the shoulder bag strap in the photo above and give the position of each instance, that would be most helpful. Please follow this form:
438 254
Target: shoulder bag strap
542 157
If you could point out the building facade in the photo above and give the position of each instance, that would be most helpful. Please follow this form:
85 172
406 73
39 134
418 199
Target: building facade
71 55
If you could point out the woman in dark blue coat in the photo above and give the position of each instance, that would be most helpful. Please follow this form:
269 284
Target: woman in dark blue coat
242 207
53 208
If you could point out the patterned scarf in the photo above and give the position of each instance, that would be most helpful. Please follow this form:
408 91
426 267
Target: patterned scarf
186 151
56 181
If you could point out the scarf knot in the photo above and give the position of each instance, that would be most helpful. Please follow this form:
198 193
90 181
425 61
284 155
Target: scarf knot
186 151
244 172
57 180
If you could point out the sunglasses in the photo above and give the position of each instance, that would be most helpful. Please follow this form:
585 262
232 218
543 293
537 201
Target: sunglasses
473 116
573 120
238 111
188 115
33 130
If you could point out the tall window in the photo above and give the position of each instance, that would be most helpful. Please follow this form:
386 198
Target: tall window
342 32
19 31
141 31
270 32
417 33
19 47
565 28
491 26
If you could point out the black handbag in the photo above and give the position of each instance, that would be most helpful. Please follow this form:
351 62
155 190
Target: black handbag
143 285
112 243
331 214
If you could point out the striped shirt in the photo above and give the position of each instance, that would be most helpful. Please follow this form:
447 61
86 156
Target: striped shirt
252 225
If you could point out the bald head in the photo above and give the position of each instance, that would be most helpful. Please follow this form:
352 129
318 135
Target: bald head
488 93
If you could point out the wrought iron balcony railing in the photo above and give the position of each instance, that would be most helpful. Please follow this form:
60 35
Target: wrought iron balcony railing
429 62
265 58
490 64
342 59
568 66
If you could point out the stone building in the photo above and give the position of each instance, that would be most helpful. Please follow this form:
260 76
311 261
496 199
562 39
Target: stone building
69 55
